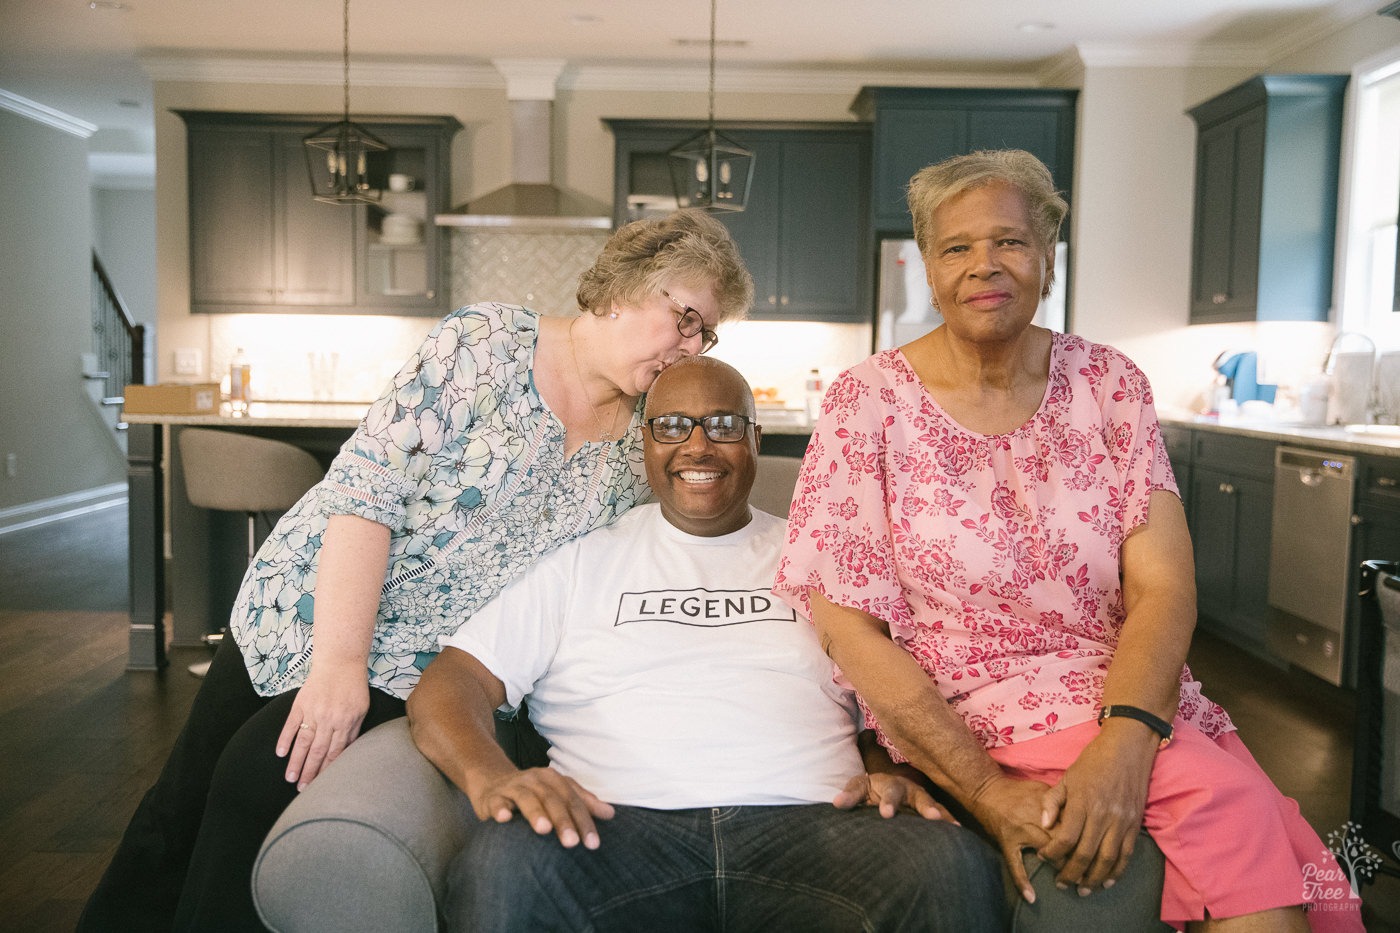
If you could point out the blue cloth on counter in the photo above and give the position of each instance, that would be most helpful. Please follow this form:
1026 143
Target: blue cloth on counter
1242 369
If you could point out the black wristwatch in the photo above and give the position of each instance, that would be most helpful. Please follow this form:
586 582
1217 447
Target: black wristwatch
1155 723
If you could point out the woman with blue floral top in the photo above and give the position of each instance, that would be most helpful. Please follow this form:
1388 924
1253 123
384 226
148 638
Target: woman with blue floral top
507 434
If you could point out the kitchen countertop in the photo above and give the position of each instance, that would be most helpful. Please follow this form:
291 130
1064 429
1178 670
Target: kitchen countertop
329 415
270 414
1331 437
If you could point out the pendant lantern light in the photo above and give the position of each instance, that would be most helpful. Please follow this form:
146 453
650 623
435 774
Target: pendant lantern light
337 156
709 170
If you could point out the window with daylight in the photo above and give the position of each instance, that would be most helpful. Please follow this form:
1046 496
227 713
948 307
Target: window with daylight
1368 294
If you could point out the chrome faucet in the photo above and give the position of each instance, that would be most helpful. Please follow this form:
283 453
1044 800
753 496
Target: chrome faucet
1372 412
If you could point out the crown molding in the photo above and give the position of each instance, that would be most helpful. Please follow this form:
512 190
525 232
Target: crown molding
695 76
1330 20
661 76
1134 55
239 69
1063 70
39 113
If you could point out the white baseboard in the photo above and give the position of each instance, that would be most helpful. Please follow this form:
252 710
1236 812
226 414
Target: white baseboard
70 505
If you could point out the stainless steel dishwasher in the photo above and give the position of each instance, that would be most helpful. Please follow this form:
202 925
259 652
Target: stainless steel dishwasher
1310 560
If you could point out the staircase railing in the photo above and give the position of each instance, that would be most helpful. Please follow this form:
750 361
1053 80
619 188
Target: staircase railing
119 344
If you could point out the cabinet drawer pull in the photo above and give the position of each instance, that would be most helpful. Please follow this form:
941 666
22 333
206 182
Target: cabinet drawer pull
1357 520
1227 488
773 300
1388 482
1219 298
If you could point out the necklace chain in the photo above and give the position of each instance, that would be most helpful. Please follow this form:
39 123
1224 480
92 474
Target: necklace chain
604 433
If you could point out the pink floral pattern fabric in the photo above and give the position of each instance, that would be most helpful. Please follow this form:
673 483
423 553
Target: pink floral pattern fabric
994 559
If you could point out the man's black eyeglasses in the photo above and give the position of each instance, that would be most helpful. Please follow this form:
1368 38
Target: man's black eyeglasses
676 429
689 323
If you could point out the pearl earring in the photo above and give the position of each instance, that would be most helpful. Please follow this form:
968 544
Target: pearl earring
612 315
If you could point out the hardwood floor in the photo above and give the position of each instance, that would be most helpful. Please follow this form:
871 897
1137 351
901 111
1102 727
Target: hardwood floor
81 738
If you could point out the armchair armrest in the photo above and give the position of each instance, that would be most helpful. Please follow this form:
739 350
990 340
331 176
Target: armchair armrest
367 845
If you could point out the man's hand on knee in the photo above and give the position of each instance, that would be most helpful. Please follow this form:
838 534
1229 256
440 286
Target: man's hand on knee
891 793
549 802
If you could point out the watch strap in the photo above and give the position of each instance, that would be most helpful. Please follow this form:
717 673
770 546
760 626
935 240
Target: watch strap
1155 723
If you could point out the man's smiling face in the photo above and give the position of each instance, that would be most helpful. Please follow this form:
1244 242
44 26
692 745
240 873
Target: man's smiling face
702 486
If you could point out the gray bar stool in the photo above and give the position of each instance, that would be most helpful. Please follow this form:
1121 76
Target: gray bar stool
238 472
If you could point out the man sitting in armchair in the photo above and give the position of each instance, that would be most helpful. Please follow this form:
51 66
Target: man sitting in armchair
697 738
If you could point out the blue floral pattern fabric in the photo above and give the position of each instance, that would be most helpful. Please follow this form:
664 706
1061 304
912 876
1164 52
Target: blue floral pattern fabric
464 463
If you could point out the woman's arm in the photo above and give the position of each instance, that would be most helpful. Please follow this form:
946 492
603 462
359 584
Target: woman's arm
930 733
332 703
1102 795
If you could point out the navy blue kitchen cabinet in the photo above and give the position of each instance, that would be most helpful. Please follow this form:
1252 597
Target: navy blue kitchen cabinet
1232 498
916 127
805 232
1267 160
259 242
1178 443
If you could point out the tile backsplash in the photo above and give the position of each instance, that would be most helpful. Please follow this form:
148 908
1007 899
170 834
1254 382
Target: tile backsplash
537 269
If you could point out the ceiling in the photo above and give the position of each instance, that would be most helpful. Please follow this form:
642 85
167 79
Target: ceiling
85 58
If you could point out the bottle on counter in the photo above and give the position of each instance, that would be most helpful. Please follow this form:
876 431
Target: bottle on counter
240 379
815 390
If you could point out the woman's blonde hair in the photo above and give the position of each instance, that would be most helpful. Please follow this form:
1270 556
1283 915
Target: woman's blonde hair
687 246
932 186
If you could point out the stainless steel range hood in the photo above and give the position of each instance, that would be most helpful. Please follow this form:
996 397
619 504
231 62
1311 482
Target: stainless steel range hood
531 200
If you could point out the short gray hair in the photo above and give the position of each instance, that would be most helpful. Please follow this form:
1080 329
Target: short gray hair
687 246
932 186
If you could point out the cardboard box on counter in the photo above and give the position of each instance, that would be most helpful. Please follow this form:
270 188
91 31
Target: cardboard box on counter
173 398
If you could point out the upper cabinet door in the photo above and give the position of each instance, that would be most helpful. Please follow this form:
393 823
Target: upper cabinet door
1225 250
820 272
232 227
916 127
316 254
1268 154
906 140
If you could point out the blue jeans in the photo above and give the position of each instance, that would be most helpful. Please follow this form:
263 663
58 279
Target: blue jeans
761 868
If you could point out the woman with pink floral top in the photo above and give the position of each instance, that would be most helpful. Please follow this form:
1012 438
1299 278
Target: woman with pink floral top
988 537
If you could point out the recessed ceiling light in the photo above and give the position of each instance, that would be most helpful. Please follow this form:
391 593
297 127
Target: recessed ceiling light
108 5
128 102
584 19
719 43
1035 26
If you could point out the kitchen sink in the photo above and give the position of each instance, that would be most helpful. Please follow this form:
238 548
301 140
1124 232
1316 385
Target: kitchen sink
1375 430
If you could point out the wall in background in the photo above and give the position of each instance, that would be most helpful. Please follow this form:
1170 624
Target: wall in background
124 235
47 422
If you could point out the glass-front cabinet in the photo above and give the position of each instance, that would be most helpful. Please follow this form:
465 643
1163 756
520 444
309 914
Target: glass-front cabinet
260 242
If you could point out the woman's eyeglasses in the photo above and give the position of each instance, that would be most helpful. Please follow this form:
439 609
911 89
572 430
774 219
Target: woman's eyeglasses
689 323
676 429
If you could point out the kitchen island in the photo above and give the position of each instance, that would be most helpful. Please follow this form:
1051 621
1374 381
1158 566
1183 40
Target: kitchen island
202 551
185 562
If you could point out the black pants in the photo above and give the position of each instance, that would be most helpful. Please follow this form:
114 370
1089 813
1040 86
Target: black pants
186 859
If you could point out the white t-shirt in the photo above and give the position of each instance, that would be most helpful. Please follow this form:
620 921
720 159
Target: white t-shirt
665 673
